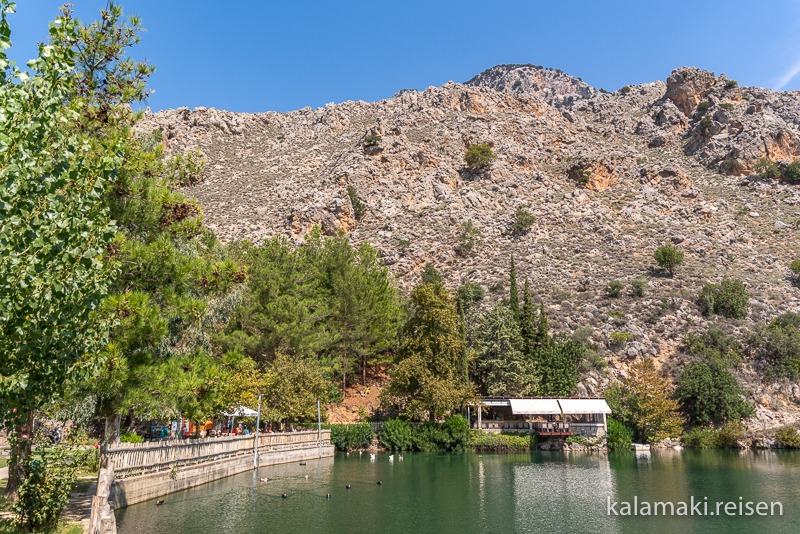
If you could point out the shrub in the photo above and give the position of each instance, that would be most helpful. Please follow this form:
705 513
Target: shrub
44 492
131 437
732 167
618 338
467 295
479 157
668 257
794 267
709 393
359 208
372 139
620 436
431 275
395 434
703 106
457 428
700 438
728 436
638 287
788 436
614 289
467 239
523 222
483 441
430 436
625 89
729 298
777 346
349 437
185 170
731 84
727 106
792 172
767 169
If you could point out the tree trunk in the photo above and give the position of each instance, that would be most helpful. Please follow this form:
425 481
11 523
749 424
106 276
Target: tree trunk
20 452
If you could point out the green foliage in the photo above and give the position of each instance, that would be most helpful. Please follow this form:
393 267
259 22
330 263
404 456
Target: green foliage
625 89
372 139
700 438
777 347
292 386
638 287
619 338
792 172
614 289
767 169
620 436
428 378
668 257
457 428
522 223
131 437
729 298
513 292
467 238
468 295
557 366
794 268
731 84
430 436
642 401
44 492
351 437
502 369
184 171
479 157
728 436
788 437
705 124
395 434
727 106
359 208
484 441
431 275
702 107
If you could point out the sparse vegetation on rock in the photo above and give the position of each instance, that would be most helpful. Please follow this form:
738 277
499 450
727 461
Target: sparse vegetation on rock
729 298
479 157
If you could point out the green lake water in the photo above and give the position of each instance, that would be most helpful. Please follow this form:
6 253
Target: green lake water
483 493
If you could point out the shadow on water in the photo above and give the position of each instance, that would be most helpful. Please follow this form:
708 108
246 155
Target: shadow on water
442 493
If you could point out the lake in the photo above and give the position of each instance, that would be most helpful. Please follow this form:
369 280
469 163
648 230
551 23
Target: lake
487 493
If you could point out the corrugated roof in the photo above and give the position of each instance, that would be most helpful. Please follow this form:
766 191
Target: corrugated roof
535 406
573 406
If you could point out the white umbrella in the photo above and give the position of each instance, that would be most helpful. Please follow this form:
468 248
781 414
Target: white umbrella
241 411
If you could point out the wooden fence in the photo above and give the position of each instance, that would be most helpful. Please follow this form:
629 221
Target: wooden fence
131 459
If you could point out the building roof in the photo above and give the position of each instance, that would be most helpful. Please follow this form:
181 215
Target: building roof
549 406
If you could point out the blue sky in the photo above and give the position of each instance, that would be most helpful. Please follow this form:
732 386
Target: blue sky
278 56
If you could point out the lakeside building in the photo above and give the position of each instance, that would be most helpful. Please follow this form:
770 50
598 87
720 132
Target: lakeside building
547 417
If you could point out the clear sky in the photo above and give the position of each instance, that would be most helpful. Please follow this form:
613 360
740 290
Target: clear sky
278 56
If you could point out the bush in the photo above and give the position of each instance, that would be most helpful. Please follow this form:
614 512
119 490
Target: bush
732 167
185 170
523 222
788 437
359 208
777 346
792 172
483 441
794 267
479 157
625 89
457 428
731 84
668 257
467 295
350 437
431 275
729 298
396 435
730 434
372 139
703 106
44 492
727 106
618 338
131 437
467 239
709 393
767 169
620 436
614 289
638 287
700 438
430 436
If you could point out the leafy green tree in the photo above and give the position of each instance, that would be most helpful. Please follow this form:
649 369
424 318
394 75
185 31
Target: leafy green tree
729 298
479 157
430 274
292 387
502 367
669 257
767 169
428 379
777 347
556 365
55 266
467 296
792 172
522 223
467 239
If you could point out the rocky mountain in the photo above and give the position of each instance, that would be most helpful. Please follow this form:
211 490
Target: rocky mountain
607 177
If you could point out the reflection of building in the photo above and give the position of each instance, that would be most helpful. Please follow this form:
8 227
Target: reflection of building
544 416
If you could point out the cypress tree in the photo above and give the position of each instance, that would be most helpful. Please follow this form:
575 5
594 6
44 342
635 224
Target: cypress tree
527 321
542 337
514 292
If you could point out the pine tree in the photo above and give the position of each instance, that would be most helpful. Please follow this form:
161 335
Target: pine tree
503 368
514 291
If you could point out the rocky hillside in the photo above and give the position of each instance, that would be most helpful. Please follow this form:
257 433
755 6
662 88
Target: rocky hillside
607 177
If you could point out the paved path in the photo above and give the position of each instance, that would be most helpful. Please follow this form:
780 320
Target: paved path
79 509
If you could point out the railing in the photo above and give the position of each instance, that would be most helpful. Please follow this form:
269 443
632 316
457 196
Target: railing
132 459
